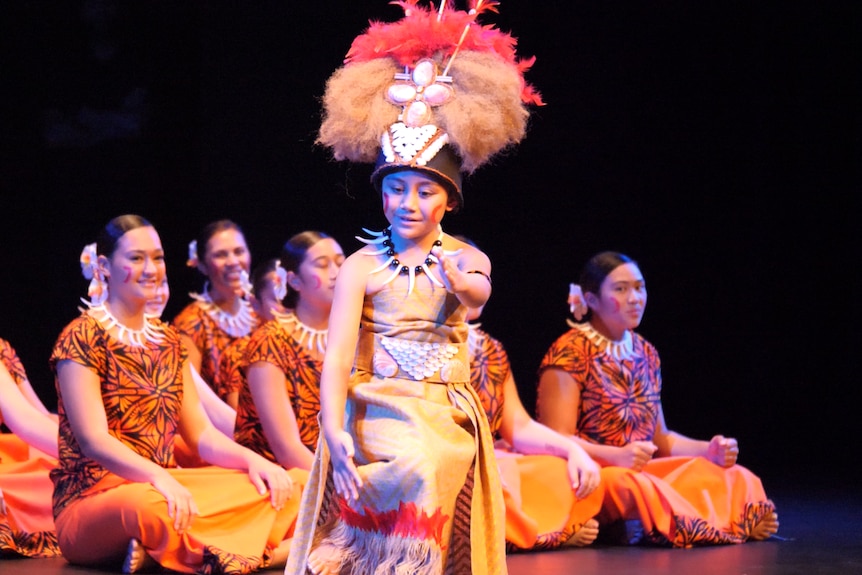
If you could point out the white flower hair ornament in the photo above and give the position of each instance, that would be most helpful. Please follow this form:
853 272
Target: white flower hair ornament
245 284
98 288
193 261
280 286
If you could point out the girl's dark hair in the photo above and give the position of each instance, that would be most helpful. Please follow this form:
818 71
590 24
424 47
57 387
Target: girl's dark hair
106 242
259 273
212 229
292 255
597 269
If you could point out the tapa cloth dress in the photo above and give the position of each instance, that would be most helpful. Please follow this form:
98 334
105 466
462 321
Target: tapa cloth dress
431 501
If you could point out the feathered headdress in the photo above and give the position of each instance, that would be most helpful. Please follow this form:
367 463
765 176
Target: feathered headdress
435 91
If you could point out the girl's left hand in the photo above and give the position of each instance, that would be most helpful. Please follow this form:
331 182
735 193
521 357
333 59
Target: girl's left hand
723 451
266 474
453 278
584 472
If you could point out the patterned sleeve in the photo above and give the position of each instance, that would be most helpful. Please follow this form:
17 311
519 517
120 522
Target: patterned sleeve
12 362
569 353
83 343
229 377
188 323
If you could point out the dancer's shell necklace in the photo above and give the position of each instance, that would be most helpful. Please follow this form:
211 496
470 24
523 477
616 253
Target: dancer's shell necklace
235 325
316 338
133 337
623 349
384 239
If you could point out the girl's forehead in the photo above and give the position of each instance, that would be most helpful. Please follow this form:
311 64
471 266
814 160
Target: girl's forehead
627 272
224 238
143 238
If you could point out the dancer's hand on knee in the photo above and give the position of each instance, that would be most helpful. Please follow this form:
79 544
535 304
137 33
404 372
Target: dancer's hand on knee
181 506
344 473
265 474
723 451
584 472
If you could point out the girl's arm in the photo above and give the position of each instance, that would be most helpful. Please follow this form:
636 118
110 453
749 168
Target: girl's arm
467 275
528 436
560 399
343 336
35 427
268 387
214 447
721 450
222 415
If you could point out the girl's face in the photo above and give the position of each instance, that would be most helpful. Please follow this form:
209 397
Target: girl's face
621 301
136 269
414 203
315 280
156 306
226 256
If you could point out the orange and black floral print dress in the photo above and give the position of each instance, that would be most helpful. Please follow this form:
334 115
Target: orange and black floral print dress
27 526
204 323
142 393
273 343
681 501
542 511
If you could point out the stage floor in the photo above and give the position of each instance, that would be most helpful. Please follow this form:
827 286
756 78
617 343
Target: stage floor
821 533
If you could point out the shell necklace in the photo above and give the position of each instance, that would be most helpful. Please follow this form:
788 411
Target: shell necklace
384 239
623 349
235 325
133 337
316 337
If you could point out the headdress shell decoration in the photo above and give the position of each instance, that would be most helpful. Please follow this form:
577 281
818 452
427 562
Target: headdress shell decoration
435 92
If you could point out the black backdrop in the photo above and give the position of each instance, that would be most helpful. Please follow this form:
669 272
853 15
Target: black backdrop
713 142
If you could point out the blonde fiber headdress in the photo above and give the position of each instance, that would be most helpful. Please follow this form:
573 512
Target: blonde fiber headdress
435 91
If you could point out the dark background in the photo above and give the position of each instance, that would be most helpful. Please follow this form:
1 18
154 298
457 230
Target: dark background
716 143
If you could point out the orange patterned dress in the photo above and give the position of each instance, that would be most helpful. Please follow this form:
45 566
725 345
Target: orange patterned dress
273 343
541 509
142 392
27 527
213 330
681 501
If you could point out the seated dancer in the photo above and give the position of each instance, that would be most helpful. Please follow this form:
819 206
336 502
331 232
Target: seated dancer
279 399
549 481
125 392
601 383
26 456
223 312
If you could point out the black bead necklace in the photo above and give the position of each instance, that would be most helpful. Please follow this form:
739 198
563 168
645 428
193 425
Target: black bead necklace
394 263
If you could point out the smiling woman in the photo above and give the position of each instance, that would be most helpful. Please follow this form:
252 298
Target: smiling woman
223 312
125 395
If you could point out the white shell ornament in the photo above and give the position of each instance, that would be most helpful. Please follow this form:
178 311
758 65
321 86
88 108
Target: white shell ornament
383 364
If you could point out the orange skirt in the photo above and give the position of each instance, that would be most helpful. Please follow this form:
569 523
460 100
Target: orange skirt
542 511
685 501
27 528
235 531
13 448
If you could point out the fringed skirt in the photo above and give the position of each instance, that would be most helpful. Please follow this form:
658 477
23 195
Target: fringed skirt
431 501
